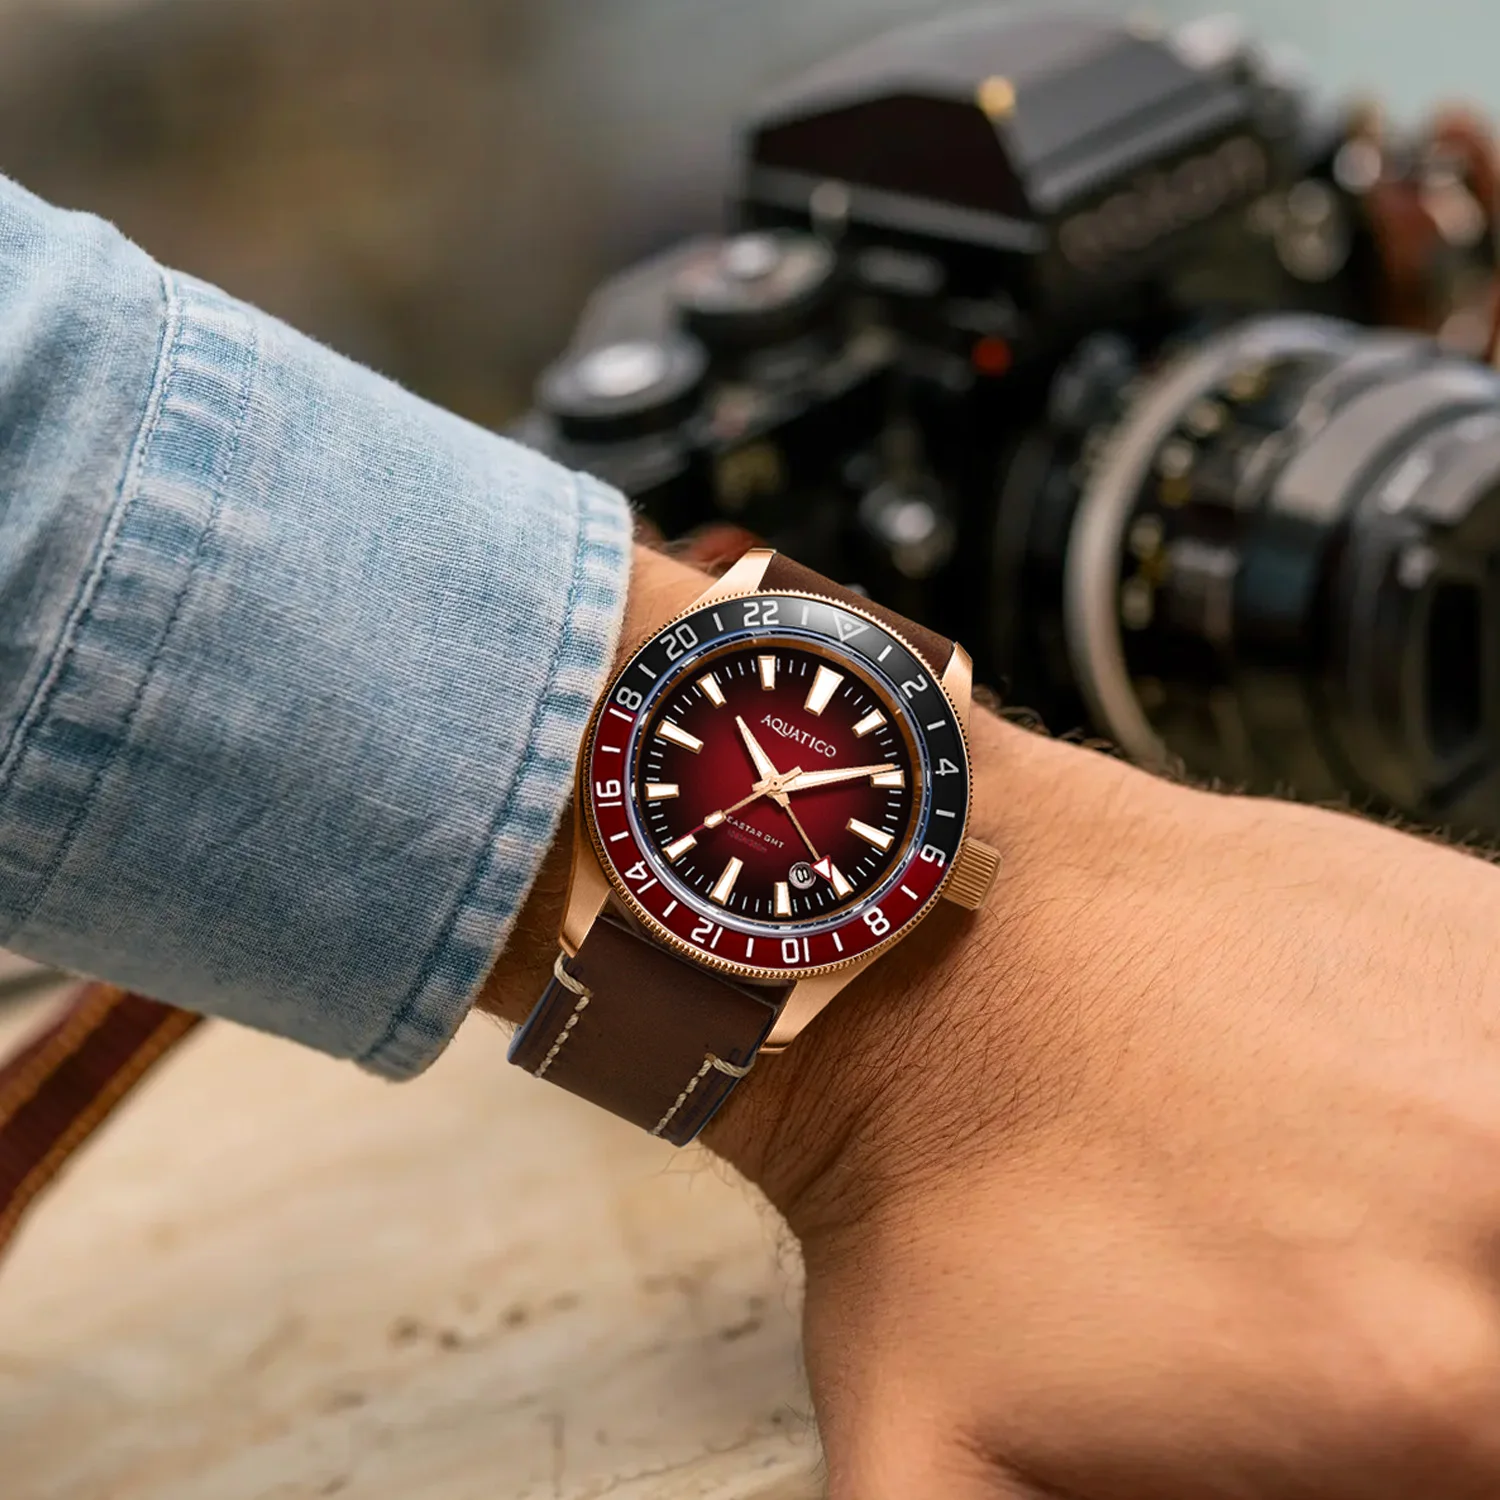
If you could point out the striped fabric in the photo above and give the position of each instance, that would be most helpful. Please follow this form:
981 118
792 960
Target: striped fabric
63 1084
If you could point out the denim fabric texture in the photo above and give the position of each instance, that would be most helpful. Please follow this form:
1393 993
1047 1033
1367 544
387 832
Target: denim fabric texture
293 665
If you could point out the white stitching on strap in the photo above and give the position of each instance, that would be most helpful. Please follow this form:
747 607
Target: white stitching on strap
709 1063
565 979
584 993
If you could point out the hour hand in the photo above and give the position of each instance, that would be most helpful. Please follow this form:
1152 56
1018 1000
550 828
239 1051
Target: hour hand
763 766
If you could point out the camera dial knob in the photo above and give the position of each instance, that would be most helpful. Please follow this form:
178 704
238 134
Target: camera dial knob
624 390
755 289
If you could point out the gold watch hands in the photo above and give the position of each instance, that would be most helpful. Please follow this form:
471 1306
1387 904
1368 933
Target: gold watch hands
763 766
773 783
798 781
776 786
801 781
784 803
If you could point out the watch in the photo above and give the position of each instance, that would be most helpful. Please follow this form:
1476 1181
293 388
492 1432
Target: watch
772 792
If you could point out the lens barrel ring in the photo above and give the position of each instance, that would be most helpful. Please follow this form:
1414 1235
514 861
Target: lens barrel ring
1090 602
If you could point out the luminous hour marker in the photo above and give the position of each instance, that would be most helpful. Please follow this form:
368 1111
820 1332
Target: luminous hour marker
881 841
674 852
659 791
724 885
825 684
889 778
870 722
783 899
668 730
841 886
711 689
767 666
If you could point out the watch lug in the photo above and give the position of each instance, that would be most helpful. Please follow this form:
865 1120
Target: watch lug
743 578
807 1000
958 683
588 890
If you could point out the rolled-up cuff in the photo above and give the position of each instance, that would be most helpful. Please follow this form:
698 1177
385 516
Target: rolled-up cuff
309 727
526 819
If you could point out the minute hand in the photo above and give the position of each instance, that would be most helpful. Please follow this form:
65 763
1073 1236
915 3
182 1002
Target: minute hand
832 777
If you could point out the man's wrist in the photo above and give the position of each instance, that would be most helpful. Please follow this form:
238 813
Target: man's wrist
800 1113
964 989
660 587
793 1124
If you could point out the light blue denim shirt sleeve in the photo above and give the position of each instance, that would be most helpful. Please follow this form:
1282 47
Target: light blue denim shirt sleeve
293 665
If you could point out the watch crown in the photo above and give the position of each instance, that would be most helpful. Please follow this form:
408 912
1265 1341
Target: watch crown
973 874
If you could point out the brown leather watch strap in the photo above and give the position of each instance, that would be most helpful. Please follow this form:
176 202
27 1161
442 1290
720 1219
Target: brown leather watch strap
783 573
650 1036
644 1034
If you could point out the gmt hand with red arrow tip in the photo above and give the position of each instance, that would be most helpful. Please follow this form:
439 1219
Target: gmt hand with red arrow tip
785 805
834 876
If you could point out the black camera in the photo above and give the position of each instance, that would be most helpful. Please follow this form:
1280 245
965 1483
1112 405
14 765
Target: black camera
1069 338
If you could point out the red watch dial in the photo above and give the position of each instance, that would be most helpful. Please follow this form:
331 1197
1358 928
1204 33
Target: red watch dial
776 785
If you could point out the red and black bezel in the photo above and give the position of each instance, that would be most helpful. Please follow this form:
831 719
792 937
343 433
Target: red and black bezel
926 746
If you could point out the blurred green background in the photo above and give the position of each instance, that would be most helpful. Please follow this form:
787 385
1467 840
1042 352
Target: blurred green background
434 185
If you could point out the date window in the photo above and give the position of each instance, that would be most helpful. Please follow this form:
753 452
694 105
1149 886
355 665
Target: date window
803 876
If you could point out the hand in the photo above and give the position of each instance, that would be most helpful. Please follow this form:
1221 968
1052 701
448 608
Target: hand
760 789
763 767
802 781
785 805
1174 1174
776 784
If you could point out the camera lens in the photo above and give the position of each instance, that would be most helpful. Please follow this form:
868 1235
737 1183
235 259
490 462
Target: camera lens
1282 572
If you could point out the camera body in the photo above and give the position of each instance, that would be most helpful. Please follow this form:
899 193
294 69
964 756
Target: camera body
966 262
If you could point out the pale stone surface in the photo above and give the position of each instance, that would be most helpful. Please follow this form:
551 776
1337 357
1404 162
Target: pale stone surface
14 971
276 1278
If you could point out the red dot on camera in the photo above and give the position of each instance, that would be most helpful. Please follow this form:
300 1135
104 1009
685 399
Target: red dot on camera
992 356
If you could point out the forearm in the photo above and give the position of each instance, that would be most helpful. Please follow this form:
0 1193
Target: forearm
293 665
